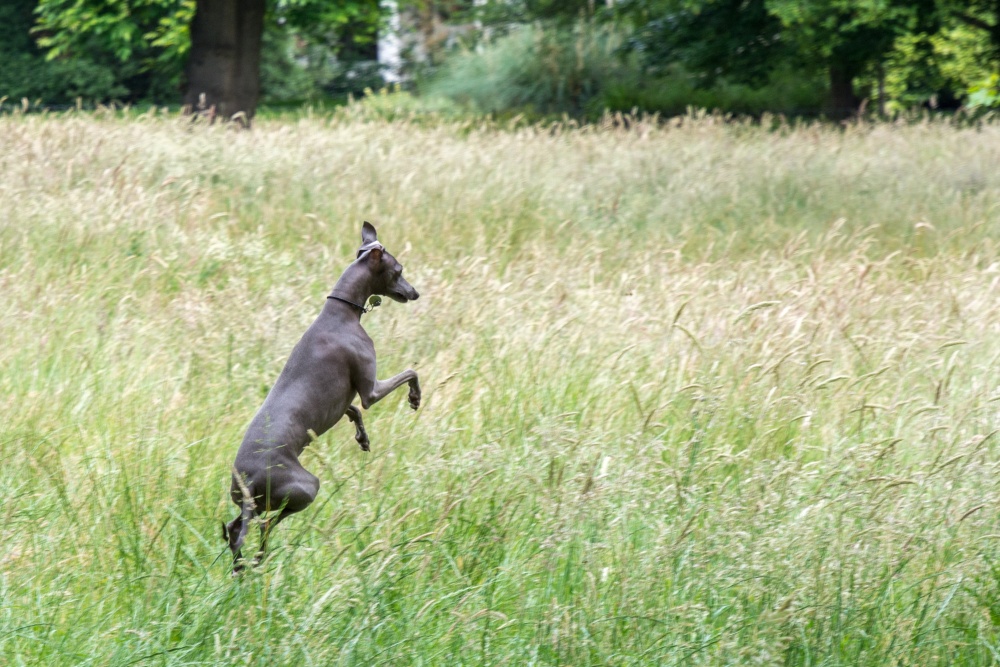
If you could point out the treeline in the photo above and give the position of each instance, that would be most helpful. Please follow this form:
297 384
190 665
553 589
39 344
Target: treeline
56 52
835 57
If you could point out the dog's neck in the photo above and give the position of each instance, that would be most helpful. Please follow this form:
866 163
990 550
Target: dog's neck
353 288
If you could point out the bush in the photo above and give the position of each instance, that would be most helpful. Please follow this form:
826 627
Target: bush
25 73
57 82
559 70
672 94
581 71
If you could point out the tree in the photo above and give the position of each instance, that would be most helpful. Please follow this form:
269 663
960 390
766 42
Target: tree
26 74
846 37
747 40
982 15
734 39
223 67
211 48
141 36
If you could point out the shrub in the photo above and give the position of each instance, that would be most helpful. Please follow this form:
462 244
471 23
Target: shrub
24 72
557 70
672 94
24 75
582 71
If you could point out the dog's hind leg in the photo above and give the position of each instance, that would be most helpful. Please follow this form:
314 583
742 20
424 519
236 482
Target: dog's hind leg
235 532
265 531
296 494
354 414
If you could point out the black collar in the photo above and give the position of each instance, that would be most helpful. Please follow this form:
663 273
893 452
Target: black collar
362 309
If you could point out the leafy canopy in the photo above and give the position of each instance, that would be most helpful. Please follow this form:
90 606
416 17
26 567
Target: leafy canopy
156 32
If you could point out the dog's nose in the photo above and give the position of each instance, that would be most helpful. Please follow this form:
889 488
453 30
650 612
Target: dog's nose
415 295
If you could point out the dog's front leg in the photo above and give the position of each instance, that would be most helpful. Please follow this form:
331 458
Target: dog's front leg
371 390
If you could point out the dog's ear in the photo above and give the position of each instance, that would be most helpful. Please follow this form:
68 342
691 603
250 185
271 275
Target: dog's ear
375 256
368 233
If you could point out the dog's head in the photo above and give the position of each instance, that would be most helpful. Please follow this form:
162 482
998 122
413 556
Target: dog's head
386 269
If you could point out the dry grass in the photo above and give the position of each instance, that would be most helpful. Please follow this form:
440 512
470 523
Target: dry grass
698 394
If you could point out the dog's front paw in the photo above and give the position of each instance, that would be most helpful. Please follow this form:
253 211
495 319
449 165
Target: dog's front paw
414 397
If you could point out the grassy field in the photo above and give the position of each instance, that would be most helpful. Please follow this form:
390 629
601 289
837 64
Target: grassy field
694 394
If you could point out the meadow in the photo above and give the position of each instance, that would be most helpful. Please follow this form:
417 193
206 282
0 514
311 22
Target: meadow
695 392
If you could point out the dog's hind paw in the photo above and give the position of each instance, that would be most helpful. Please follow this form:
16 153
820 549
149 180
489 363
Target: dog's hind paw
362 439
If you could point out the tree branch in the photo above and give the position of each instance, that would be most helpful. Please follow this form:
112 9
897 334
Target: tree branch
968 19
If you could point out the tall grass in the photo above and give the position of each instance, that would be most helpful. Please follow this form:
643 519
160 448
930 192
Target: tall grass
693 394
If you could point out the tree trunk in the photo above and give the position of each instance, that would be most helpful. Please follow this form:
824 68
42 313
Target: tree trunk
223 70
995 32
843 102
881 90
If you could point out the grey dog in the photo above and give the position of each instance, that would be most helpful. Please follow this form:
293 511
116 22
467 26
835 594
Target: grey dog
333 363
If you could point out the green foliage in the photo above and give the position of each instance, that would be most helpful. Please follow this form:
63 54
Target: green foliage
296 69
57 82
982 16
985 93
962 54
27 74
737 40
536 70
586 69
850 33
15 23
171 39
281 78
676 92
151 34
912 72
915 52
923 67
732 51
324 22
333 45
146 42
751 40
501 13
